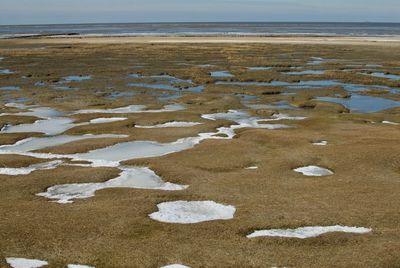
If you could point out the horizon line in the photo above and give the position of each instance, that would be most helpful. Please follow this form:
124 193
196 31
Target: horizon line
198 22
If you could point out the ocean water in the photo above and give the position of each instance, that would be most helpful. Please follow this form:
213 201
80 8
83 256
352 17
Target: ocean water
195 29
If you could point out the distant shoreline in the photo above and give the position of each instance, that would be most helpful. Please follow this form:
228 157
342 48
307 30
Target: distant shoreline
189 35
205 29
154 39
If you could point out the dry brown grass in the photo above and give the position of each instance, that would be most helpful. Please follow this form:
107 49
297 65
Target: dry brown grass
113 229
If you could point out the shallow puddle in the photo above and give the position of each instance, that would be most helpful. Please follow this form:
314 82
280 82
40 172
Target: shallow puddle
167 87
261 68
6 71
306 72
51 126
119 94
10 88
221 74
312 84
384 75
363 104
279 105
111 156
77 78
32 144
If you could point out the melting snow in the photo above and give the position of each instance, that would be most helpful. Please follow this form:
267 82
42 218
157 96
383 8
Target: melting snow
390 123
79 266
25 263
175 266
107 120
320 143
244 120
185 212
171 124
138 178
307 232
31 144
251 168
134 109
30 169
52 126
314 171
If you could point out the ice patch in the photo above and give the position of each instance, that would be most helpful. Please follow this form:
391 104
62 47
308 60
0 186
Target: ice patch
137 178
308 232
306 72
175 266
186 212
51 126
221 74
41 112
171 124
244 120
261 68
25 263
134 109
251 168
6 71
79 266
30 169
77 78
320 143
10 88
107 120
111 156
314 171
32 144
390 123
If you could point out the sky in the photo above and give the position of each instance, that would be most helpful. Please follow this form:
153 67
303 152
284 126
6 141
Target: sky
92 11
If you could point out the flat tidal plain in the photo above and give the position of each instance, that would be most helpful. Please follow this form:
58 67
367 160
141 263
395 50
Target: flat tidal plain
113 229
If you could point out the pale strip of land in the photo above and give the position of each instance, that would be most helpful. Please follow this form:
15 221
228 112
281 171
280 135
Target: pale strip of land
60 39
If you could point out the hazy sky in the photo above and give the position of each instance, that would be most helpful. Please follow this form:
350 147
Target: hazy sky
80 11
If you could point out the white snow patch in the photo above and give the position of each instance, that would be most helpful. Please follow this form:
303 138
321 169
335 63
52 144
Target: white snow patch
51 126
25 263
31 144
79 266
171 124
244 120
175 266
307 232
111 156
186 212
314 171
134 109
320 143
138 178
107 120
251 168
30 169
390 123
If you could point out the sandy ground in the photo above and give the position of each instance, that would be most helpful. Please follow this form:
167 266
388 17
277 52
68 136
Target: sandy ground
113 229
